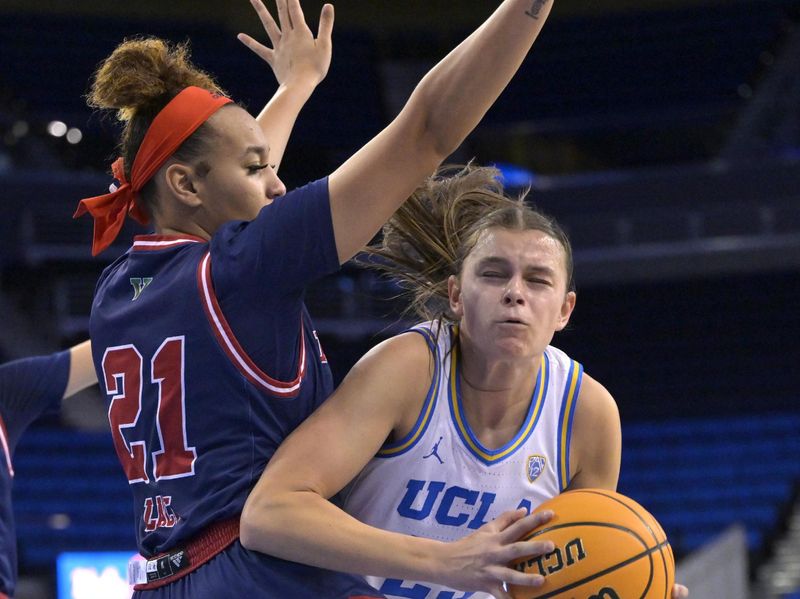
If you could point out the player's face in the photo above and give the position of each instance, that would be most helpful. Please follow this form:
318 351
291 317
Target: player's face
511 296
240 181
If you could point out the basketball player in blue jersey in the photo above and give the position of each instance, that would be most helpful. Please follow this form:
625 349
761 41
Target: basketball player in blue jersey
199 333
466 418
29 387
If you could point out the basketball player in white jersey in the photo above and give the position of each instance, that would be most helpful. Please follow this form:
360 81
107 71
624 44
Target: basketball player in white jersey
446 435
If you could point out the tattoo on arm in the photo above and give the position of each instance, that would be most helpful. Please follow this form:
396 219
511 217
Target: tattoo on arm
536 9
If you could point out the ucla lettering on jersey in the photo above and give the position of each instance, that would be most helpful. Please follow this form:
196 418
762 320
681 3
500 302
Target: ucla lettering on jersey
440 482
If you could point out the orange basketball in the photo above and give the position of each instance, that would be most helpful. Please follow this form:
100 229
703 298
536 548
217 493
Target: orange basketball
607 547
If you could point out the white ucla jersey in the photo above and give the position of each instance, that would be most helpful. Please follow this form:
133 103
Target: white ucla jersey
440 482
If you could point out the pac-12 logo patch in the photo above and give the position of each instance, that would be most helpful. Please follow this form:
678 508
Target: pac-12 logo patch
535 466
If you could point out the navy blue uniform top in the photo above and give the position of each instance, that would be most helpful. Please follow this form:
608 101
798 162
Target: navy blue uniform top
210 360
28 388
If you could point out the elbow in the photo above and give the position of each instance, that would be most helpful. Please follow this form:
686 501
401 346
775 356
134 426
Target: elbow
431 135
254 533
437 141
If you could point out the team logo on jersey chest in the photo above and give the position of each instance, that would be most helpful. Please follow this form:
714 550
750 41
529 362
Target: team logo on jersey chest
535 466
139 284
435 452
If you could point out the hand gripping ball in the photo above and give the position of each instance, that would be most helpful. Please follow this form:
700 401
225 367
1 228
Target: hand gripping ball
607 547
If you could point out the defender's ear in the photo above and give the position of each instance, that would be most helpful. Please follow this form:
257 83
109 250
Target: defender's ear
179 179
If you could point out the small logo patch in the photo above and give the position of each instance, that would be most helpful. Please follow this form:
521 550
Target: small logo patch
177 559
139 284
165 566
535 468
435 452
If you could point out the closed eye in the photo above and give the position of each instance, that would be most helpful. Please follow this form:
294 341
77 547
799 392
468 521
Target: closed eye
253 169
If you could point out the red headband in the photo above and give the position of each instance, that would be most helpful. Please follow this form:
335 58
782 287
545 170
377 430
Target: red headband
172 126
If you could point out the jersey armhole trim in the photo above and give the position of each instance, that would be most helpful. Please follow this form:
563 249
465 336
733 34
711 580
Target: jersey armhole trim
396 448
6 446
234 351
565 419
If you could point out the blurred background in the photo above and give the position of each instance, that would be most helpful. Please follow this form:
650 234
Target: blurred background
664 136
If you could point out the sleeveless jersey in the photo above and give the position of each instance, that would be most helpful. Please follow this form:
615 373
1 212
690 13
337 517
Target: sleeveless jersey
29 387
440 482
209 360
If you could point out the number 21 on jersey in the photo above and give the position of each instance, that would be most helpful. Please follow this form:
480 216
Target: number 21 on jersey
123 369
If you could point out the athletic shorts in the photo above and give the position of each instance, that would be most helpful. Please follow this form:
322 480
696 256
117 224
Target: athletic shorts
237 573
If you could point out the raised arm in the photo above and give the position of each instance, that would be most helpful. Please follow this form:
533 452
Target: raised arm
446 105
81 369
288 515
299 62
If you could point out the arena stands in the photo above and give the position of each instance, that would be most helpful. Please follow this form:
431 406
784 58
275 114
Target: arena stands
640 134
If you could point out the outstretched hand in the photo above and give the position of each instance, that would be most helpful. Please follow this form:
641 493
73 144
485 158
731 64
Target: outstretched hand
481 560
296 55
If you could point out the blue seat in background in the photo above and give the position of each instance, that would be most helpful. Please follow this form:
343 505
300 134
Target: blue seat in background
698 476
69 495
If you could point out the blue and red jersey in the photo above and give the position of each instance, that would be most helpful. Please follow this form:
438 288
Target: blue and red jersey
209 359
28 388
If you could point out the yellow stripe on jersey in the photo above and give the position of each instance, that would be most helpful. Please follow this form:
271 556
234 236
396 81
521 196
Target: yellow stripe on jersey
463 427
567 409
427 409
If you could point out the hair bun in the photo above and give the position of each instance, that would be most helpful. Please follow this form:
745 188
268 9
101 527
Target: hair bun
145 74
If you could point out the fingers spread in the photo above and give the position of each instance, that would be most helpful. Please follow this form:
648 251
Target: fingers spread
326 23
296 14
260 49
267 21
283 16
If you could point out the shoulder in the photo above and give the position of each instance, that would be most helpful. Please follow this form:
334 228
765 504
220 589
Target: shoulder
396 374
559 361
595 401
405 354
596 438
110 271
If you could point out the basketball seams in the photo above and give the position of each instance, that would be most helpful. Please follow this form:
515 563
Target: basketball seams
613 518
633 533
646 553
667 590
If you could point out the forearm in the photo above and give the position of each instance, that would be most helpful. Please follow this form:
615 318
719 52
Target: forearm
456 94
304 527
278 117
81 369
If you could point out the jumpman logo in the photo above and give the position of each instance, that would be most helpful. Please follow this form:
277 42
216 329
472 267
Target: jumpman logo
435 451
